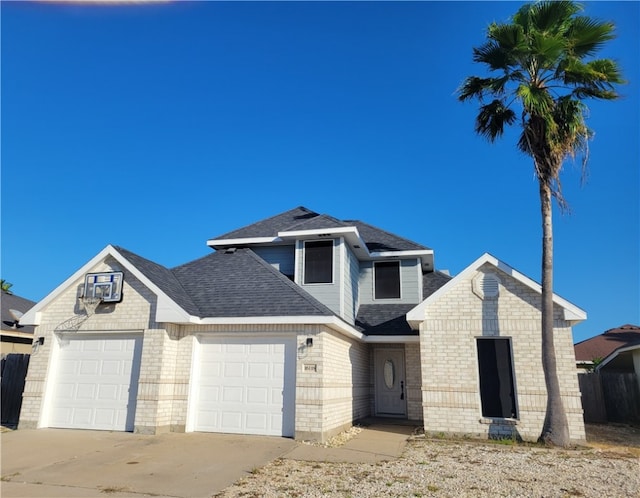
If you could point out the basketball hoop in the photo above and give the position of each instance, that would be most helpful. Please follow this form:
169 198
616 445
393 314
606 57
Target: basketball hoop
90 304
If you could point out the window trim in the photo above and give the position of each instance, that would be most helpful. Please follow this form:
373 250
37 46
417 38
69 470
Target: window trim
304 261
376 263
513 387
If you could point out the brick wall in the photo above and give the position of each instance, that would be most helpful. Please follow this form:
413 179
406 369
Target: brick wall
332 384
332 377
450 379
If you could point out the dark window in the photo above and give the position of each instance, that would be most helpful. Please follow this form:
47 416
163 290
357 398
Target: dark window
318 262
496 378
387 280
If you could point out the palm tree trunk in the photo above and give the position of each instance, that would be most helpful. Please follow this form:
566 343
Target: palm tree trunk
555 430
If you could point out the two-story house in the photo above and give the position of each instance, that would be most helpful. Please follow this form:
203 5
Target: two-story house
297 325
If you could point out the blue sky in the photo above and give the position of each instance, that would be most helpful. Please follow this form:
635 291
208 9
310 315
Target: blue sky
157 127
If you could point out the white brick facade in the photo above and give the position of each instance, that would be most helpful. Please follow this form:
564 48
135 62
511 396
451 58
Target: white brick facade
450 378
332 376
335 381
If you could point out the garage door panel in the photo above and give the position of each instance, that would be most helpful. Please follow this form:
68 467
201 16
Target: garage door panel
244 394
96 383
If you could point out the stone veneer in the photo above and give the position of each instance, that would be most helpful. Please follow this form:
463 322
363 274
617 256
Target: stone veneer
450 379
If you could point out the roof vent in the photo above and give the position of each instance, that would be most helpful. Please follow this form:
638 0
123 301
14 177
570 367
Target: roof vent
230 250
486 285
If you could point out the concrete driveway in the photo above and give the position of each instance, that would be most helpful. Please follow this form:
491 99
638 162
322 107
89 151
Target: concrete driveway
74 463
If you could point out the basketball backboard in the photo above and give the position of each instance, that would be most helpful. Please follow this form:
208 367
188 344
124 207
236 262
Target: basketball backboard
106 286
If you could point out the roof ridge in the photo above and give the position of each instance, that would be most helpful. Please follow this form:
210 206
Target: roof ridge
304 222
299 290
263 220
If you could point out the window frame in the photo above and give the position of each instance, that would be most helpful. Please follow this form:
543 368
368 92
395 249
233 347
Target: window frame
330 243
487 387
375 279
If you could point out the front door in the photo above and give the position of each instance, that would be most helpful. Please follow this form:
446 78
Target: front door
390 384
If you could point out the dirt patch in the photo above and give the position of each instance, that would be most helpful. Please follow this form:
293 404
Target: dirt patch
612 437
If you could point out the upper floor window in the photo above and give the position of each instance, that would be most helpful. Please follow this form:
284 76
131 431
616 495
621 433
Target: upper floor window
318 262
387 280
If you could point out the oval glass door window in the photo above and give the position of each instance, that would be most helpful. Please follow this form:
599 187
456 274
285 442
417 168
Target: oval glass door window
389 371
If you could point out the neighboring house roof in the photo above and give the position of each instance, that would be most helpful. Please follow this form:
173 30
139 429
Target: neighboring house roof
571 312
20 304
603 345
301 218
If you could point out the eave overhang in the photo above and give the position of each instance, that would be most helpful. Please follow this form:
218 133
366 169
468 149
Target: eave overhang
571 313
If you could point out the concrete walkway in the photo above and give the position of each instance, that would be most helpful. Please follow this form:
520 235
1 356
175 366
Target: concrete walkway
375 443
56 463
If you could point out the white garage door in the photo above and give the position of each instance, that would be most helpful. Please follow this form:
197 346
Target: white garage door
96 382
246 386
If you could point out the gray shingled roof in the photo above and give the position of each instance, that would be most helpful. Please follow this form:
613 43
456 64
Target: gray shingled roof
240 283
389 319
13 302
163 278
301 218
432 281
384 319
270 227
229 284
379 240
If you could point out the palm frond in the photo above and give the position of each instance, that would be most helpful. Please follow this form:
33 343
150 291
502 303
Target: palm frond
493 118
607 71
510 37
548 50
552 17
535 100
493 55
586 36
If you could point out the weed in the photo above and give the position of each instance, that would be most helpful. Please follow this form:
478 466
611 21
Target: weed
432 488
112 489
8 477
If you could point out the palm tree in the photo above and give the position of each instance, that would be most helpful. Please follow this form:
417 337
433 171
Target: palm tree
541 64
6 286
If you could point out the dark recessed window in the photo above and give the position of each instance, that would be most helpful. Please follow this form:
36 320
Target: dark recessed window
497 391
318 262
387 280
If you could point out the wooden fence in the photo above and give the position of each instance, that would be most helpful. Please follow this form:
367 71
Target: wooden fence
13 369
610 397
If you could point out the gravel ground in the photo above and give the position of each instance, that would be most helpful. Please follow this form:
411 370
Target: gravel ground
448 468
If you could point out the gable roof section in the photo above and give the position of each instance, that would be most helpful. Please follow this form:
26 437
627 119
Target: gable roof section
571 312
240 284
167 309
603 345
